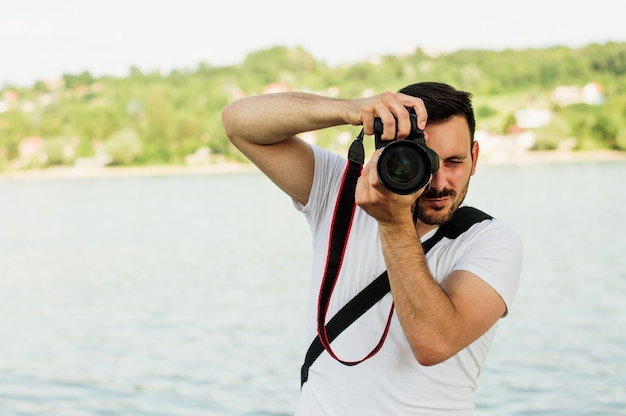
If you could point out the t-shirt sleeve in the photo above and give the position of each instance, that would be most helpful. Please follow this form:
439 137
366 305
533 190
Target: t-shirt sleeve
329 169
494 253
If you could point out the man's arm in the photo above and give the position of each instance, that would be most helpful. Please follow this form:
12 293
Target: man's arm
438 321
265 128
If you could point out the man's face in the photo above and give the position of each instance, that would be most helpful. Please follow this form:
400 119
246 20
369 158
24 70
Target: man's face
457 162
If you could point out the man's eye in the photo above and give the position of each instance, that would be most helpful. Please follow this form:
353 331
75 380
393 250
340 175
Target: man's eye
453 162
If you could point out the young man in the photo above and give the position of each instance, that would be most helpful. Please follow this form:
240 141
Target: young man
447 302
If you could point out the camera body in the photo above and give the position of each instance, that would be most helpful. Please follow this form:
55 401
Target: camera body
405 166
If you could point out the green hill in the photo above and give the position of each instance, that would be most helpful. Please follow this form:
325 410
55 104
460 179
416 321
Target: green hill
174 118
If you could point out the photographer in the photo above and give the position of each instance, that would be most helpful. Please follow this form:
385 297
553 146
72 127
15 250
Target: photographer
419 349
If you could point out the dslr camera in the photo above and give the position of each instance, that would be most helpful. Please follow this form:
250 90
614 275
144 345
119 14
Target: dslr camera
405 166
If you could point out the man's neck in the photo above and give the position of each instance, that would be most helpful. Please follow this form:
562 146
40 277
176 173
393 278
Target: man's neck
422 228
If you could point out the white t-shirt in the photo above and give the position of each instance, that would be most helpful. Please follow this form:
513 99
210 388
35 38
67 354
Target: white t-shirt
392 382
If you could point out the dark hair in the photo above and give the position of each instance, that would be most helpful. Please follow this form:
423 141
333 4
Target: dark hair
444 102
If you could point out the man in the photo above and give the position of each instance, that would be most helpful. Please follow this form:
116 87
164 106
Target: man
447 303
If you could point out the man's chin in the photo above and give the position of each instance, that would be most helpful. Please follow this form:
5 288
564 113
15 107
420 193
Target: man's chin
435 216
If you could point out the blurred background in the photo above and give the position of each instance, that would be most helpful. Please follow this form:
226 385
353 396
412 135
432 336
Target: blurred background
146 269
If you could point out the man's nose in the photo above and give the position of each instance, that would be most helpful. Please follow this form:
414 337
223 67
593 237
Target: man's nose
438 180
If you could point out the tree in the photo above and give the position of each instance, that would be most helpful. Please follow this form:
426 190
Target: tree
124 147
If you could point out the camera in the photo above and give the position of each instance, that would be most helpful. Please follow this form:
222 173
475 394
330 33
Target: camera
405 166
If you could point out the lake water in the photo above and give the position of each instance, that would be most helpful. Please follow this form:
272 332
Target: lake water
185 295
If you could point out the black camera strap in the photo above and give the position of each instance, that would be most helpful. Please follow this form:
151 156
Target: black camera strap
461 221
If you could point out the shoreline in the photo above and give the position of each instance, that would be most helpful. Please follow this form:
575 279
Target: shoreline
68 172
75 172
553 157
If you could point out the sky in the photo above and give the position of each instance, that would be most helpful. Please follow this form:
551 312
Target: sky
43 39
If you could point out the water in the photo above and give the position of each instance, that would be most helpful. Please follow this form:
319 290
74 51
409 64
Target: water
184 295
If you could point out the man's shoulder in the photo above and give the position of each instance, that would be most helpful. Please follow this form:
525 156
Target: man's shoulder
494 230
470 223
463 219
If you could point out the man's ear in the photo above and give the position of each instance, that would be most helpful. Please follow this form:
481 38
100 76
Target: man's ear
475 151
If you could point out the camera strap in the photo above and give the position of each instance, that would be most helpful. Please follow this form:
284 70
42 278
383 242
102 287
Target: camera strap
340 228
345 206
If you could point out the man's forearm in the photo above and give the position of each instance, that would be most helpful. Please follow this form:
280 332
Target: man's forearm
271 118
424 310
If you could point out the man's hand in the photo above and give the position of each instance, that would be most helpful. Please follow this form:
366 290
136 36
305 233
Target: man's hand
391 109
386 207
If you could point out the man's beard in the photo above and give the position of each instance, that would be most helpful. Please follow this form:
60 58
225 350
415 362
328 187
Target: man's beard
440 215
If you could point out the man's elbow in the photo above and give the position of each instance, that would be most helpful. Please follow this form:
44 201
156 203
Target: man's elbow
433 354
228 122
428 360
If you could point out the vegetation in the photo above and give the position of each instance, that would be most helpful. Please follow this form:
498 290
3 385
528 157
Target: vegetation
154 118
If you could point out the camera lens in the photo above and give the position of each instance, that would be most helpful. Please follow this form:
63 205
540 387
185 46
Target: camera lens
403 167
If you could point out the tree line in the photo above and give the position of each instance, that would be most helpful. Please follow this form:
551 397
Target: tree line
174 118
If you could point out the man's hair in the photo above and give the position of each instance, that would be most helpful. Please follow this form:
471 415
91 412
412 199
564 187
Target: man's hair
444 102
